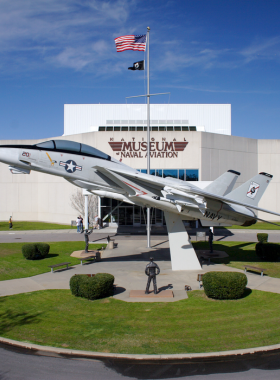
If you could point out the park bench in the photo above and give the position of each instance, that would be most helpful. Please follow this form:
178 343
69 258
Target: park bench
254 268
58 265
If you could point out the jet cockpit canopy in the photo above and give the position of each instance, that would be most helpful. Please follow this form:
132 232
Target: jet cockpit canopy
72 147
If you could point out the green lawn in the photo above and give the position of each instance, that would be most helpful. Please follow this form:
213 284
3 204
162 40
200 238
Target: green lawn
25 226
56 318
14 265
240 254
257 226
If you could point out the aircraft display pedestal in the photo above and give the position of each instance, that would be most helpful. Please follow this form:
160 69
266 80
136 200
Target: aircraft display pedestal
183 256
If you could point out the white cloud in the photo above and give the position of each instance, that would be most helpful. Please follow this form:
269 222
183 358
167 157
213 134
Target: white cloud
42 34
65 33
265 49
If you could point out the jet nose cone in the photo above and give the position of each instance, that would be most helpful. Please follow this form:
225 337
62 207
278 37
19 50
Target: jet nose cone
9 155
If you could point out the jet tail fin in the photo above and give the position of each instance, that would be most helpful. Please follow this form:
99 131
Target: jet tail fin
251 191
223 184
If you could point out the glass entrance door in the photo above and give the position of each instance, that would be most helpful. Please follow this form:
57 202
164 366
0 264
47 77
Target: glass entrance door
137 216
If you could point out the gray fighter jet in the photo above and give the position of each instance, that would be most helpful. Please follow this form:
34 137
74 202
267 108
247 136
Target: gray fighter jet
86 167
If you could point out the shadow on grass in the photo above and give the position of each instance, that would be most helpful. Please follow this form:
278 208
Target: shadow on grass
52 255
39 258
236 252
10 318
246 293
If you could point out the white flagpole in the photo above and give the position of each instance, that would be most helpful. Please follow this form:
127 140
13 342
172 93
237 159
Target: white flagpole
148 132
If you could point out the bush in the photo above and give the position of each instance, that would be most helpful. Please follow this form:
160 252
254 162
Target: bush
92 288
35 251
29 251
262 238
224 285
43 249
268 251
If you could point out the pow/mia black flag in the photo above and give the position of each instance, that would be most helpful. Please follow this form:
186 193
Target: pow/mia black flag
140 65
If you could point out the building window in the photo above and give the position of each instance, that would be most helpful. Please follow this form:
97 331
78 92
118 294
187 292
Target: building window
182 174
191 175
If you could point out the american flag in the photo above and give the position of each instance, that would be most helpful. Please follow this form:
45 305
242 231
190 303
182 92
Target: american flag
131 42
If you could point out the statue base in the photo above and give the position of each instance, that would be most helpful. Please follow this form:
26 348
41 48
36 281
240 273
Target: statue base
142 294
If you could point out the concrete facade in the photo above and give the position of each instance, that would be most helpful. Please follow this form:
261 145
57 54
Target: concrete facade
41 197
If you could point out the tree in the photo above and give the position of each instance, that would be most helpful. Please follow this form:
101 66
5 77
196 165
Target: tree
78 203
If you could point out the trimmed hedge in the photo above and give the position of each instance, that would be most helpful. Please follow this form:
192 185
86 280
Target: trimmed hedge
262 237
35 251
92 288
268 251
224 285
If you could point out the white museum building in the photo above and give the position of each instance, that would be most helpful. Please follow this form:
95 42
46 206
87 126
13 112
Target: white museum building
192 142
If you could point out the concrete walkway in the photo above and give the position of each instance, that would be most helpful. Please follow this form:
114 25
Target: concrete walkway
14 236
127 263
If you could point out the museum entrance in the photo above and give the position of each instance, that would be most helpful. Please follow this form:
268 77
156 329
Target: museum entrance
125 214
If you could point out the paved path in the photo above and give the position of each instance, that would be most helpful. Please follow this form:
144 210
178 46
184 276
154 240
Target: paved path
127 263
20 365
124 232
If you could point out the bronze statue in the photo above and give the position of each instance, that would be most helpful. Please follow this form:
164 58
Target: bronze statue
87 233
152 270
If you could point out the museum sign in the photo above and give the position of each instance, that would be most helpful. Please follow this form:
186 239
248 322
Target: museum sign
138 149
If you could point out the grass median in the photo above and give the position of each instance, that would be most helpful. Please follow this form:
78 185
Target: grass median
198 324
14 265
33 226
257 226
240 254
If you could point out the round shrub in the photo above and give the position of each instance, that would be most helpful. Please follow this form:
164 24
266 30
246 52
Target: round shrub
35 251
262 237
224 285
92 288
268 251
43 249
29 251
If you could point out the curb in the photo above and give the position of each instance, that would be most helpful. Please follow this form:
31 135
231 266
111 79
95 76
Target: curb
100 355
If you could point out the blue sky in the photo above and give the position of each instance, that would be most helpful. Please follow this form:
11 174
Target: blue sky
54 52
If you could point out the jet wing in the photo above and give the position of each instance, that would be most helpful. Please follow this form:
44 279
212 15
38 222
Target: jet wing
130 183
159 184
